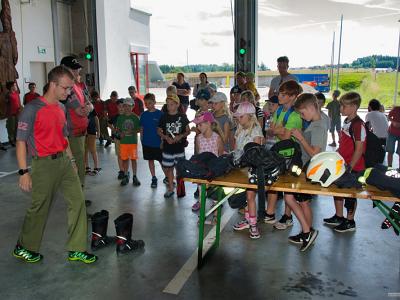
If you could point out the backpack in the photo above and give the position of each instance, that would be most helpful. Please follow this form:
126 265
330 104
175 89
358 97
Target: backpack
291 151
305 123
265 168
205 165
374 150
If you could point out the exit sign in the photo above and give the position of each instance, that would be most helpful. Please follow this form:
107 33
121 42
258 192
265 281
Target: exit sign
41 50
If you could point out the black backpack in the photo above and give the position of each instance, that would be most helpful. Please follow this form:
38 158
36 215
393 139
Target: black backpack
374 150
205 165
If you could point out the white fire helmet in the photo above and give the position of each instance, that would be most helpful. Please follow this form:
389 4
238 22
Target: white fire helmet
325 168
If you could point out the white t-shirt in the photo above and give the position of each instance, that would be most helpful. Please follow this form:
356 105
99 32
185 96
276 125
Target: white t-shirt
246 136
378 123
278 80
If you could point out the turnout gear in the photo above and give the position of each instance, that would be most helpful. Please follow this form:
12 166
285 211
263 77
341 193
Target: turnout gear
123 228
99 230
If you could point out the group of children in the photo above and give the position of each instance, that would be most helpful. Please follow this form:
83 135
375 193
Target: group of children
289 115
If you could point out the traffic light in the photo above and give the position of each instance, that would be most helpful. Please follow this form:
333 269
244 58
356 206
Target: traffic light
242 47
89 53
242 51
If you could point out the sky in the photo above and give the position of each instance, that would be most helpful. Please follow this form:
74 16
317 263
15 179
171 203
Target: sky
301 29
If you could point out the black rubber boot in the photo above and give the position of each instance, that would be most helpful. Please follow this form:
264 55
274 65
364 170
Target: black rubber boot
123 228
99 230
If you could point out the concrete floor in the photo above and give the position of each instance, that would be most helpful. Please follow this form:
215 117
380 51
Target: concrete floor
363 264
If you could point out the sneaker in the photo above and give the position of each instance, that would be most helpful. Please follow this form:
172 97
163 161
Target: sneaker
284 222
269 219
308 239
386 224
88 203
196 206
335 220
196 194
121 175
85 257
125 181
27 255
296 239
88 171
333 144
168 194
153 182
244 224
165 180
254 232
108 143
346 225
135 181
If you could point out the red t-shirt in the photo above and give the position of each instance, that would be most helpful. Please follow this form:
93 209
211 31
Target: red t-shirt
14 104
99 107
346 142
29 97
77 124
43 127
138 108
112 108
394 115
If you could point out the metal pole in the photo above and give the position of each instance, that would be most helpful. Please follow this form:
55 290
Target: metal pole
397 72
340 49
332 60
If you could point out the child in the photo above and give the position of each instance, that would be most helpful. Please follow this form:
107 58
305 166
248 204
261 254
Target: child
93 132
208 140
170 91
151 141
128 126
312 141
202 101
393 134
248 96
352 148
100 108
173 130
269 109
334 114
222 115
321 103
281 129
31 95
376 121
248 131
250 86
117 139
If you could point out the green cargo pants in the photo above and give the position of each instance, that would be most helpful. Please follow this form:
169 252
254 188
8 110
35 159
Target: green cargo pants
48 175
11 125
77 145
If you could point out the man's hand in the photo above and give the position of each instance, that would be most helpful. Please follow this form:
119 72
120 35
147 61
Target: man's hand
25 182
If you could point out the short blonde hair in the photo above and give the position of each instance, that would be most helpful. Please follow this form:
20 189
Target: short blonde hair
305 99
171 90
249 95
351 98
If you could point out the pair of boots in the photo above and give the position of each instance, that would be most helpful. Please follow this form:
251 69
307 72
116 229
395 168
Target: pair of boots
123 229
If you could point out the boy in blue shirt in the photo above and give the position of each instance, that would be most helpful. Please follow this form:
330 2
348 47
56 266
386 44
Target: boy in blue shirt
151 141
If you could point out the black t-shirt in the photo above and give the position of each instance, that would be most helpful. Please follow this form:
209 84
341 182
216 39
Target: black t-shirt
172 125
91 129
236 89
184 86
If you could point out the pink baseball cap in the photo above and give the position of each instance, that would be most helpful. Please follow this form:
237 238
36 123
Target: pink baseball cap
204 117
245 108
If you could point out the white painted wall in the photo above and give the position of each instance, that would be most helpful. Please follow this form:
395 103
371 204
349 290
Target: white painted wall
120 29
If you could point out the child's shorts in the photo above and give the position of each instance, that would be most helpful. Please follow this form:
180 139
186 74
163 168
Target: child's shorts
170 160
90 143
151 153
128 151
391 143
335 125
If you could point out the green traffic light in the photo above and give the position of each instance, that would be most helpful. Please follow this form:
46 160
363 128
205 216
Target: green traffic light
88 56
242 51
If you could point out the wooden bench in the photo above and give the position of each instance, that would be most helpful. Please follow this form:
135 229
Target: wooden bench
286 183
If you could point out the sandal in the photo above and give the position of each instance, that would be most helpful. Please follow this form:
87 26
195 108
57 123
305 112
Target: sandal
88 171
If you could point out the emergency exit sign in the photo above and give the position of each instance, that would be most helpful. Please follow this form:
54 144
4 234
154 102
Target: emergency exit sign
41 50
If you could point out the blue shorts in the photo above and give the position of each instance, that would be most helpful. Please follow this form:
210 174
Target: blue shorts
391 143
335 124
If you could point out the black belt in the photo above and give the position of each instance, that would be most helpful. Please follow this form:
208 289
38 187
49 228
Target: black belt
51 156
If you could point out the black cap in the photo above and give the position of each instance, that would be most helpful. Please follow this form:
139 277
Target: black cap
70 62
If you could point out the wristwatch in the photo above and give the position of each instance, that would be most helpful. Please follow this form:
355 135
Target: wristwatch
23 171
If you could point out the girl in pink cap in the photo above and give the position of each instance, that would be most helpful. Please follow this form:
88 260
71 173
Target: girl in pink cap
208 140
249 130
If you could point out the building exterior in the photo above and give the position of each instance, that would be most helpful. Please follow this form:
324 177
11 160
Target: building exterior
47 30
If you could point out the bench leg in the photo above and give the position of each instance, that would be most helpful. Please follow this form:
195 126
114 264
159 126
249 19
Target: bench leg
202 218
